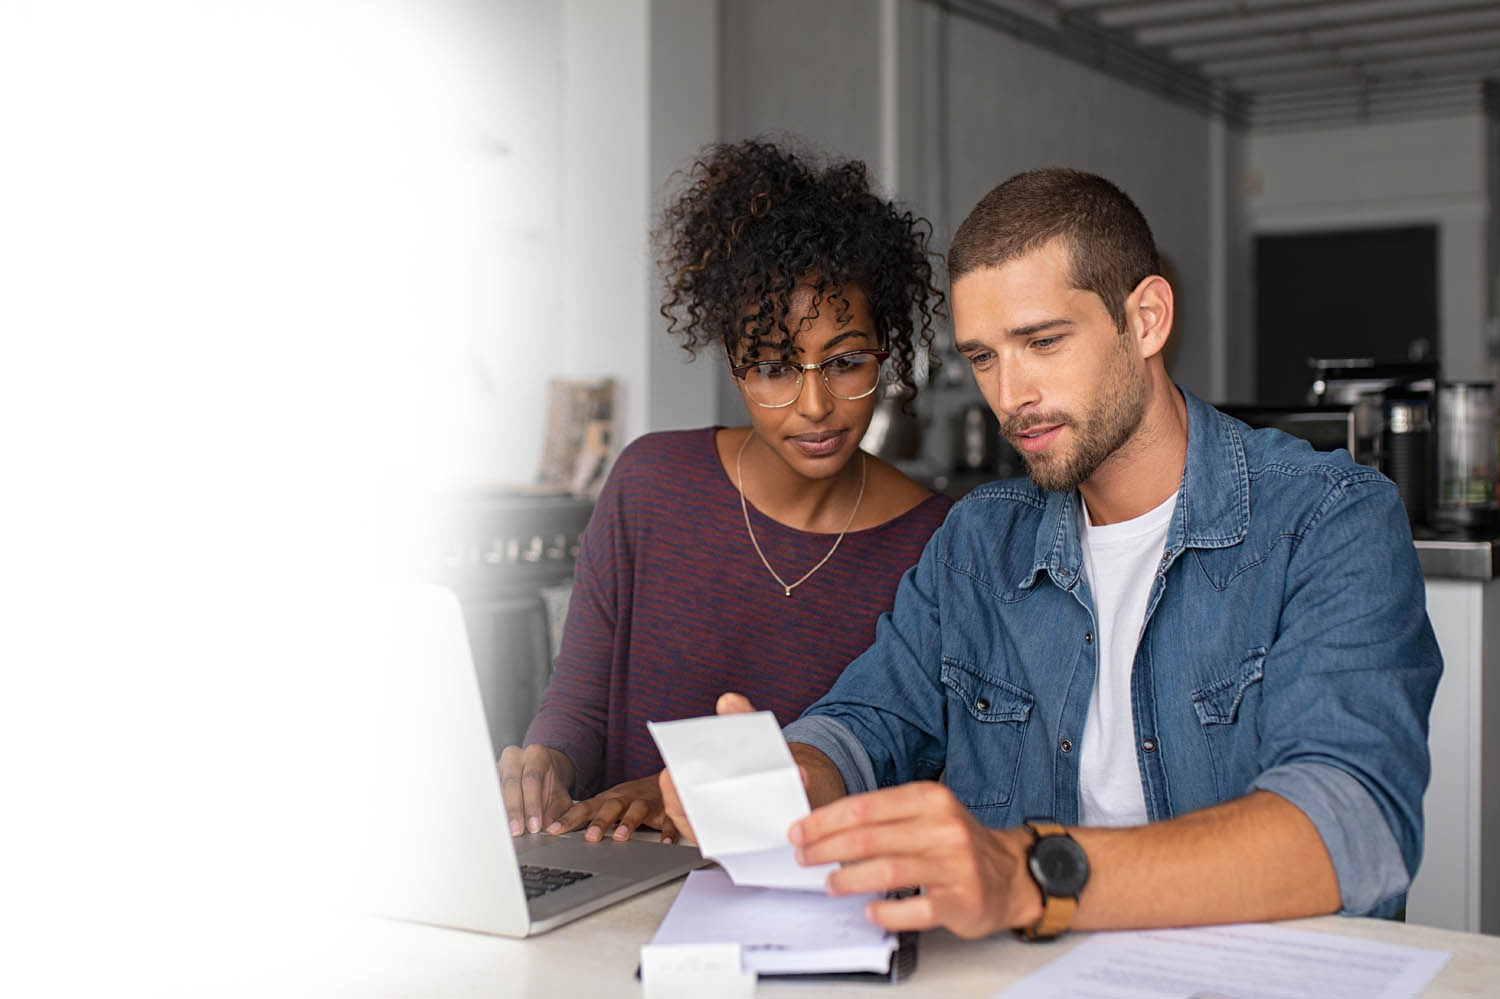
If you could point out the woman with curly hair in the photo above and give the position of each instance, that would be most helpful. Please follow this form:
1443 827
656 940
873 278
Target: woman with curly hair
757 558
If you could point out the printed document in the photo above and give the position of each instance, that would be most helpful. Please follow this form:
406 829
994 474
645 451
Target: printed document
742 792
1249 961
779 932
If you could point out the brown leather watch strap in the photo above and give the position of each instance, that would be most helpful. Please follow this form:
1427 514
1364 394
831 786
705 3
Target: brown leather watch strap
1057 915
1057 910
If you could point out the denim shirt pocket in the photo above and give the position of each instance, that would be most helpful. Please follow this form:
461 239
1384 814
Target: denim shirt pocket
1227 710
987 720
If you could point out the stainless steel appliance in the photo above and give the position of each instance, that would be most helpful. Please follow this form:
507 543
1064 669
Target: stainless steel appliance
509 556
1466 455
1390 408
1326 428
977 451
1344 380
976 440
895 431
1406 444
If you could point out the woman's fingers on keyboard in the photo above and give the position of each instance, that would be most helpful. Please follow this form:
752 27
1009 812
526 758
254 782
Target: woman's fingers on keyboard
509 766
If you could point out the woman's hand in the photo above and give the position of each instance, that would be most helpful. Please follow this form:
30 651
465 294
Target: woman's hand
625 806
534 783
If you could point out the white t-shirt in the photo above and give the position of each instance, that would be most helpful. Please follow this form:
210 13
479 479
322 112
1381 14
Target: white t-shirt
1121 562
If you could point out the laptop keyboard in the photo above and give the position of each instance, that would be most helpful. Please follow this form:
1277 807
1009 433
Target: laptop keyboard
541 880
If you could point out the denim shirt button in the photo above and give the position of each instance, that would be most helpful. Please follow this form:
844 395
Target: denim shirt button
1067 745
1149 745
1088 638
981 705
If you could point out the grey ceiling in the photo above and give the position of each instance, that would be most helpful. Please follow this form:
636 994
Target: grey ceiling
1282 63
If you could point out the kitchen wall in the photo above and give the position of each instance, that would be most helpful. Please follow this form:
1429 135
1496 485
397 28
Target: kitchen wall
944 108
599 100
639 99
1012 106
809 69
1433 171
683 116
241 243
800 71
1492 268
500 353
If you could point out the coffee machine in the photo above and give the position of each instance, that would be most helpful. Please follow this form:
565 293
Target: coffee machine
1381 411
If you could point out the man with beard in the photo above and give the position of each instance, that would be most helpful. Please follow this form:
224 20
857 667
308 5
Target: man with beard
1180 676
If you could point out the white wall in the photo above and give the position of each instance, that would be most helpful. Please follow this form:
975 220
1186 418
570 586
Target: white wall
1231 291
604 278
812 69
684 115
817 71
592 103
639 100
809 71
1415 172
242 244
508 344
1014 107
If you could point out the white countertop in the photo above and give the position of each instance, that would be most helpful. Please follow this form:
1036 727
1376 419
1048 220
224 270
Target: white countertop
597 956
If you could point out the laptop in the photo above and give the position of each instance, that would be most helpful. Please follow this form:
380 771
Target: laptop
442 849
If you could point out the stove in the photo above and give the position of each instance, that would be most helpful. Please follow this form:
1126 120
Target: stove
509 556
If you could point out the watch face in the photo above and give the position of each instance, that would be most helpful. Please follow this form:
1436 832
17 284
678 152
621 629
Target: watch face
1059 865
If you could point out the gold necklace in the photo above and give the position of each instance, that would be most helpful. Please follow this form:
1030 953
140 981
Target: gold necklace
739 482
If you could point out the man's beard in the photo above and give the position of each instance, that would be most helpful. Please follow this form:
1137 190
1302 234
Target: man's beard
1102 432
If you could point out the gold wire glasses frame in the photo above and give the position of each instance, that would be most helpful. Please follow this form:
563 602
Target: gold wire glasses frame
842 374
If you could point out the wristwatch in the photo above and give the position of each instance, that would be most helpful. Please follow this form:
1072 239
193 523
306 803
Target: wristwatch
1061 869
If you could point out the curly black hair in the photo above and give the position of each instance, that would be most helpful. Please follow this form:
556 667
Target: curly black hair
756 220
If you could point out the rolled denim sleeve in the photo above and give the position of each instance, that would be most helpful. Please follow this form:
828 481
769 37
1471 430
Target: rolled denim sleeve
1349 684
1366 857
836 742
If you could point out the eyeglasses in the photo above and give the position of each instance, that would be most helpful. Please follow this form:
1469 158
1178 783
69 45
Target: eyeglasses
774 384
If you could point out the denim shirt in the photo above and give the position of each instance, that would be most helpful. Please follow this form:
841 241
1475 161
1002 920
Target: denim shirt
1286 647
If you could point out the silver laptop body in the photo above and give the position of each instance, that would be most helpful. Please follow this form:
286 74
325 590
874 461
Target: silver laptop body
440 829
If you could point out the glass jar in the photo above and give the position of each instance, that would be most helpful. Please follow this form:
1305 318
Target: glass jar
1467 454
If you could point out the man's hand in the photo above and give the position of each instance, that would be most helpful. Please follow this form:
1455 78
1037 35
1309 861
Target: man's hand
728 704
534 783
974 880
624 806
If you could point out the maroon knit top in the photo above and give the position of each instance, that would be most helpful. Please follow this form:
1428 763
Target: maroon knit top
671 607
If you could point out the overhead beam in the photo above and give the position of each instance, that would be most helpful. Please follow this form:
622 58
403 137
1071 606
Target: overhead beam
1482 64
1415 26
1323 15
1373 55
1106 52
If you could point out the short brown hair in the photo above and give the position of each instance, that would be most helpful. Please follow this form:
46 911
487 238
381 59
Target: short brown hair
1108 239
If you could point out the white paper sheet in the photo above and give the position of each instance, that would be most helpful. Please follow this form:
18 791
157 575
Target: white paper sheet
741 790
1247 961
692 971
779 932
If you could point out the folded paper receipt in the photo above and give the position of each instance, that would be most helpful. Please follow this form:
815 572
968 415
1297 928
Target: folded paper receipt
741 790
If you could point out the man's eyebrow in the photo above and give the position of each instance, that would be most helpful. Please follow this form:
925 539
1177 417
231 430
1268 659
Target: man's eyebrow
1031 329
